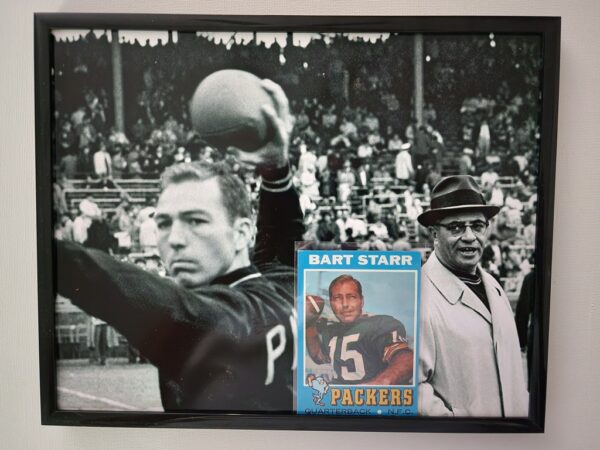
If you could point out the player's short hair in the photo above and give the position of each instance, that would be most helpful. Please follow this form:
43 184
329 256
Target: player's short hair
233 192
345 279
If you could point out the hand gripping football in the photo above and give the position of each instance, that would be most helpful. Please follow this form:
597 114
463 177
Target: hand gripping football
313 307
226 111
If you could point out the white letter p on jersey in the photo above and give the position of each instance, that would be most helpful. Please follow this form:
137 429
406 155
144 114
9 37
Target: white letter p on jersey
274 353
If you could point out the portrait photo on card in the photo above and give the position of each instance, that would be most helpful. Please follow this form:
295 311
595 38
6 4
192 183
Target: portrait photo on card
358 332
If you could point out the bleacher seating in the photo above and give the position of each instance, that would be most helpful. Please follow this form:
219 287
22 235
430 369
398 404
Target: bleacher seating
140 192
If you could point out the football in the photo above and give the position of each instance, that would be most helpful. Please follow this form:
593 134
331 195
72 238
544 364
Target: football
313 307
225 111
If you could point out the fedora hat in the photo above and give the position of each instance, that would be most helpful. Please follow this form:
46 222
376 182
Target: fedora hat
458 193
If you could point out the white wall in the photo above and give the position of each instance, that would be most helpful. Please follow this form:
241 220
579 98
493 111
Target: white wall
573 387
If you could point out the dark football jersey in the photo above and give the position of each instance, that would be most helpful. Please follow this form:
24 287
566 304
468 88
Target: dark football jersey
229 346
361 350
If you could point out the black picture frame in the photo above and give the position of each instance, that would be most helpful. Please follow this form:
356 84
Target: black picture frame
548 28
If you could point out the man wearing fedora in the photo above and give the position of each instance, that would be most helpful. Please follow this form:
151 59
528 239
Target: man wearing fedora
470 360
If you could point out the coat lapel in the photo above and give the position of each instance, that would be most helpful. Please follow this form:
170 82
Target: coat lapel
454 290
471 300
494 295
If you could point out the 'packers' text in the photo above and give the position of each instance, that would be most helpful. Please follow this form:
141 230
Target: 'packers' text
371 397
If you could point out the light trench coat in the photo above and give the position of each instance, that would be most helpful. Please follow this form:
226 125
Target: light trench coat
469 358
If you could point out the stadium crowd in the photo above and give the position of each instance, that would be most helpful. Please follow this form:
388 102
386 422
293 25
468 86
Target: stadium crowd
363 167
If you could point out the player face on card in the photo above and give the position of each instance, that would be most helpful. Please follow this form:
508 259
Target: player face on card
346 301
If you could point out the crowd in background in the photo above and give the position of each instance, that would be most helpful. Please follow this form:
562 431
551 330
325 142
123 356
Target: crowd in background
364 167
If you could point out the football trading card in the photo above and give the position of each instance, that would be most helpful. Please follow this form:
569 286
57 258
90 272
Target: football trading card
357 332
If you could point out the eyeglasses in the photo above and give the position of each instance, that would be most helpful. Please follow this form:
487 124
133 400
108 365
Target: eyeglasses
459 228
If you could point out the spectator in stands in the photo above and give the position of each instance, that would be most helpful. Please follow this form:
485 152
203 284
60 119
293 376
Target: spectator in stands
85 162
422 146
401 243
122 224
119 162
343 224
488 264
154 265
496 195
465 163
489 177
311 223
179 155
86 132
412 204
380 172
97 340
346 180
152 161
511 166
434 176
395 143
373 242
348 130
484 139
329 118
375 140
429 114
404 166
302 120
102 161
358 227
437 140
378 228
374 208
98 234
390 222
307 158
327 230
508 223
327 183
388 197
135 169
335 161
88 210
512 200
68 164
95 111
371 122
392 107
495 250
411 131
63 229
363 176
139 131
322 160
59 199
66 138
148 234
529 230
309 185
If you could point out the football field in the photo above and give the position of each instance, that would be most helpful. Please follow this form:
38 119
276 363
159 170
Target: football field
116 386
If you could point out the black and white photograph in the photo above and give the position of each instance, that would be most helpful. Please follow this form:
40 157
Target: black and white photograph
188 165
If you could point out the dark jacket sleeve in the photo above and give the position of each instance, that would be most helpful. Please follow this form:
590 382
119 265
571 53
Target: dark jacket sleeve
164 321
524 308
279 223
